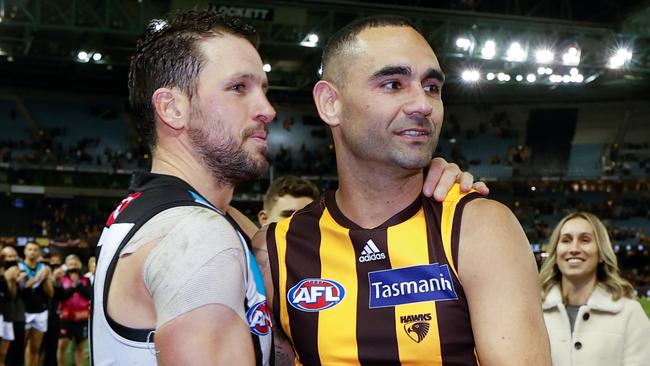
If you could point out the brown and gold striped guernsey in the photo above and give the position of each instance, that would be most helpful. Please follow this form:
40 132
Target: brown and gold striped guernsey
345 295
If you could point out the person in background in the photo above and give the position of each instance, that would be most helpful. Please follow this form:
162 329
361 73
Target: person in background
92 263
15 313
589 309
35 291
50 342
286 195
74 309
9 272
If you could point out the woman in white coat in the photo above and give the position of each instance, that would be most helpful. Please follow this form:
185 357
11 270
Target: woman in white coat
589 309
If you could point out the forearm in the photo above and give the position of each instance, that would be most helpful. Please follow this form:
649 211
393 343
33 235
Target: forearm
48 287
284 354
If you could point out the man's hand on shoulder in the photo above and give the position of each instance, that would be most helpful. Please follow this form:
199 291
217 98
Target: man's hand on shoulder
442 175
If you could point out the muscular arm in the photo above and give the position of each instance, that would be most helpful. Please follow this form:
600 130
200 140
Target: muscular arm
190 340
284 354
498 273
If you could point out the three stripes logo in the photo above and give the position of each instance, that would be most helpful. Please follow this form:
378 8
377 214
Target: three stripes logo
371 253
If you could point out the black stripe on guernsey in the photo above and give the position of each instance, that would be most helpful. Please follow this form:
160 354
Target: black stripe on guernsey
272 249
305 263
373 323
455 324
455 232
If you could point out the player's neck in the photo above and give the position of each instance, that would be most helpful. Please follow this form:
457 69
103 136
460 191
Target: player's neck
370 195
31 262
193 173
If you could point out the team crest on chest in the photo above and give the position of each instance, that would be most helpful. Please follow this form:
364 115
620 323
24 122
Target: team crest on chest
416 326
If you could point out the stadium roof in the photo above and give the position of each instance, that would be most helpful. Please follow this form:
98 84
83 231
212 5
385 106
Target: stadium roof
41 44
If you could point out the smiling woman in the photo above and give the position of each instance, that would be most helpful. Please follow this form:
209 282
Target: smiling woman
589 310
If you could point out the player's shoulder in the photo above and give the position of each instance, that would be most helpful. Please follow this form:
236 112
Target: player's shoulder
202 227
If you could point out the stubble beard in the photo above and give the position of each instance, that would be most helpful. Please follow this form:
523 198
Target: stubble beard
226 160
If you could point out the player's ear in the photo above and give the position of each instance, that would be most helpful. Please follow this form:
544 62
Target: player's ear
327 99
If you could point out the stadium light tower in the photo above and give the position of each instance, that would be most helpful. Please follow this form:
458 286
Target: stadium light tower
571 57
544 56
516 53
489 50
621 57
310 40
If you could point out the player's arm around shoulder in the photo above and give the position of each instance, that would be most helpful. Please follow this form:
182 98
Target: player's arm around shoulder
499 276
284 354
199 294
244 222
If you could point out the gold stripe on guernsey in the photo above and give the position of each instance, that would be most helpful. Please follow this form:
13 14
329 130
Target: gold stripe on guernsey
407 246
281 243
447 220
337 325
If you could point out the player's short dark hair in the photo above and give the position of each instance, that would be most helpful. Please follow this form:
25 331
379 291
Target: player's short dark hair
168 55
291 185
340 40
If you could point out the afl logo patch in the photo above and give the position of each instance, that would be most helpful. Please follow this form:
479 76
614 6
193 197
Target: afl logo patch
259 319
315 294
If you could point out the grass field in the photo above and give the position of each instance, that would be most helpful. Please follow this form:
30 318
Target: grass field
645 303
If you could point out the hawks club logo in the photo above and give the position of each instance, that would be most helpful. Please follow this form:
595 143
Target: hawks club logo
259 319
416 326
125 202
315 294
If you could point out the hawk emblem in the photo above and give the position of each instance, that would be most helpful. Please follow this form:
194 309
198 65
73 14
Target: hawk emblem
417 331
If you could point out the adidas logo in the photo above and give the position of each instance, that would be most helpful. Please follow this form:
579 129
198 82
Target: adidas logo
371 253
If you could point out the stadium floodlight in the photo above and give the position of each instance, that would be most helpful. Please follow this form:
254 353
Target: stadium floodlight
158 24
548 71
310 40
531 78
516 53
544 56
541 70
502 76
555 78
320 70
83 56
489 50
490 76
620 58
566 79
574 71
577 78
519 78
471 76
571 57
266 67
464 43
97 56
